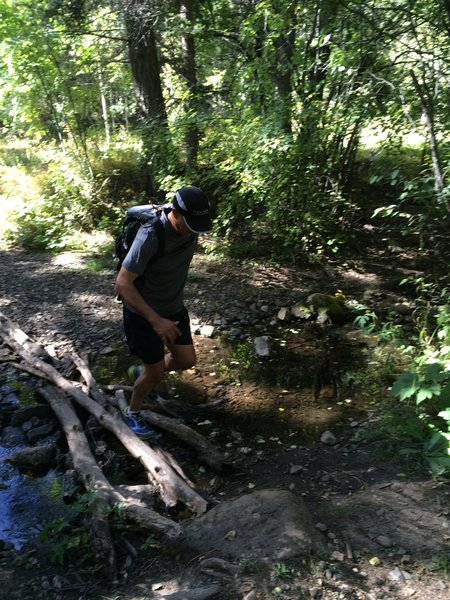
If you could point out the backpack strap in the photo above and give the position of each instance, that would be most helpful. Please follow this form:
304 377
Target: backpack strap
158 226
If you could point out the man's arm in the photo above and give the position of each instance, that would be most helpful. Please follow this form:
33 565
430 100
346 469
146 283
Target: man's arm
165 328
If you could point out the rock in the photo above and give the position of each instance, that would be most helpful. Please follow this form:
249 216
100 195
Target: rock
398 575
203 593
300 311
268 524
328 438
39 458
72 487
13 436
207 331
384 541
219 568
284 314
261 346
39 433
9 401
106 351
296 469
328 307
27 413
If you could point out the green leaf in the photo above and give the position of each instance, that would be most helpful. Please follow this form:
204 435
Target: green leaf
436 372
445 414
406 385
427 392
445 393
439 464
438 444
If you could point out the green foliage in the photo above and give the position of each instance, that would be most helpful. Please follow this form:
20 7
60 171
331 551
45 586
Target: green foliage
68 203
430 390
25 391
151 542
65 538
282 571
367 321
244 361
270 190
282 107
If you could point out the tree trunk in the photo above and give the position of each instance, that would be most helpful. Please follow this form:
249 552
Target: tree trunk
426 103
104 108
145 68
144 62
284 49
189 73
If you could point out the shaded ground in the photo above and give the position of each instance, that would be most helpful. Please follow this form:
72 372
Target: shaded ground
386 523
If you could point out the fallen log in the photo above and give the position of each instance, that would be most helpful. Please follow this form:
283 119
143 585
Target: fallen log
86 373
92 477
104 494
19 337
172 488
206 452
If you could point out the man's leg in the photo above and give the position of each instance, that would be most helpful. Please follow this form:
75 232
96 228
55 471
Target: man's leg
144 342
180 358
181 355
145 383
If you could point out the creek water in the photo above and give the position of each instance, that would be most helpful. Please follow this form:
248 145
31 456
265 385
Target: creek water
26 502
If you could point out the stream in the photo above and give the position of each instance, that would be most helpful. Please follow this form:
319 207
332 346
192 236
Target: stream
27 502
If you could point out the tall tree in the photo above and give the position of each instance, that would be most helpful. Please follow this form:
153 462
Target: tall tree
145 66
189 73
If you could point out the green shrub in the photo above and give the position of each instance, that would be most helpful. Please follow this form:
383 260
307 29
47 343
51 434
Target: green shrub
430 390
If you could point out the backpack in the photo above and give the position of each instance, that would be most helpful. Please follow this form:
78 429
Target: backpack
135 217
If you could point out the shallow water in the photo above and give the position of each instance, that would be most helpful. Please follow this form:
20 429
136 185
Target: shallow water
26 503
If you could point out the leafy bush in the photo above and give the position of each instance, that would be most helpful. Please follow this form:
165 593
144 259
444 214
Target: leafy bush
430 389
71 200
276 189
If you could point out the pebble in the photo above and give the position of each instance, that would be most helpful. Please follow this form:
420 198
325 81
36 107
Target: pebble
296 469
328 438
207 331
384 541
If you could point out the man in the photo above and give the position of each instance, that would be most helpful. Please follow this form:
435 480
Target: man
152 293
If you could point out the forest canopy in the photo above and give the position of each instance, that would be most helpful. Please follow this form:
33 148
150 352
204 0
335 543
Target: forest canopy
286 112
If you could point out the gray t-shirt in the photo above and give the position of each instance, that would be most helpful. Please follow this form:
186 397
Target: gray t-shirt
162 282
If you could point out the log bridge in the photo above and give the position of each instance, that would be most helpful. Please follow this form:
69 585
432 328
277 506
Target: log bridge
162 470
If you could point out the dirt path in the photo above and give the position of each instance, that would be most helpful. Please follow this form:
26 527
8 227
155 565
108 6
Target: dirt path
387 530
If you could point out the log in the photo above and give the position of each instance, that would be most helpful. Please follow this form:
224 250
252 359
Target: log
104 494
14 333
91 474
86 373
171 487
206 452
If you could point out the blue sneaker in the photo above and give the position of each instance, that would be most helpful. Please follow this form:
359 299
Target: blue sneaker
137 425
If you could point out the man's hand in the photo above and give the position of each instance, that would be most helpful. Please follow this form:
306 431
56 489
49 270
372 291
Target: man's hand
167 330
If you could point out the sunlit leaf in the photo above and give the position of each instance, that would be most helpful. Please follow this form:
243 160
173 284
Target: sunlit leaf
406 385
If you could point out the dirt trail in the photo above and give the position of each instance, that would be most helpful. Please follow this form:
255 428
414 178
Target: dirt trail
388 530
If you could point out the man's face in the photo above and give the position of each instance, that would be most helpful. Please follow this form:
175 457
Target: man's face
178 223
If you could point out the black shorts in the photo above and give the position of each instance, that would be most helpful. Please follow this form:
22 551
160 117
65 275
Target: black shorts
144 342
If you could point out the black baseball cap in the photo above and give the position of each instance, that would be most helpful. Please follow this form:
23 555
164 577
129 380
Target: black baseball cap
193 204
